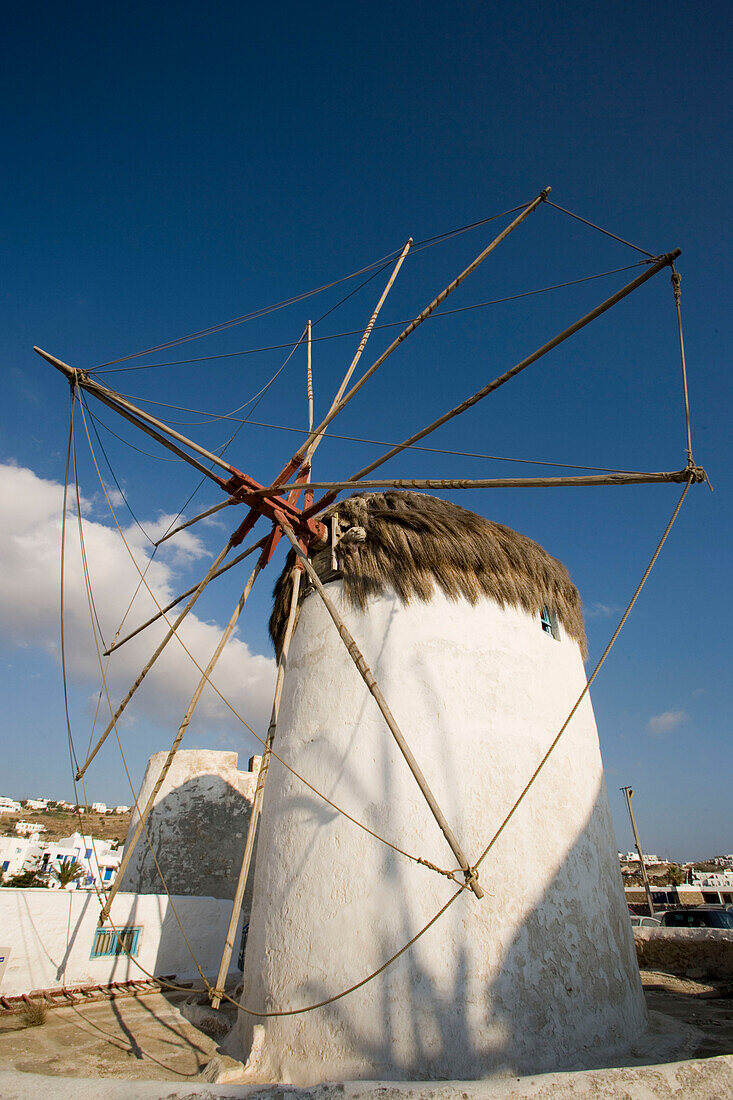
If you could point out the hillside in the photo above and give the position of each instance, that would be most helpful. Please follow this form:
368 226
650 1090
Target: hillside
61 823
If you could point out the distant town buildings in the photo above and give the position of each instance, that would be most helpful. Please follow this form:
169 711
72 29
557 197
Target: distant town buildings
30 828
713 879
11 806
633 857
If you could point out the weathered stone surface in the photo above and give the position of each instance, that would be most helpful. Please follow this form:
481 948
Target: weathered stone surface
197 827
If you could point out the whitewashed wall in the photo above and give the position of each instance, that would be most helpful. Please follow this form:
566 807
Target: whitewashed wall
47 936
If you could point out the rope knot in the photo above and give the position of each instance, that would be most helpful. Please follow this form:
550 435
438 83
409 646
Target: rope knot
471 875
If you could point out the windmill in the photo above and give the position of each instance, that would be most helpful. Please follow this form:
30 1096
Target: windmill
312 527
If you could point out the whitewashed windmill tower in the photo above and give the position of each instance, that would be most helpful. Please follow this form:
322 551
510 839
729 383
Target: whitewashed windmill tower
475 636
437 888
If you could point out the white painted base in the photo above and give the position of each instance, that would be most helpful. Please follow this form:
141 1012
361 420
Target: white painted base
541 974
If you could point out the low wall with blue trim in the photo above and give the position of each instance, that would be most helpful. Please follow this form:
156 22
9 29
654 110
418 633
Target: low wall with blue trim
48 938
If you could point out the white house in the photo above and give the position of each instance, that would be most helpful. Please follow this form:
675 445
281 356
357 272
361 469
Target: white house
36 803
18 854
122 809
633 857
96 856
99 807
9 806
29 828
713 878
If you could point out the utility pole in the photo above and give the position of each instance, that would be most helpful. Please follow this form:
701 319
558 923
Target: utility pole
629 795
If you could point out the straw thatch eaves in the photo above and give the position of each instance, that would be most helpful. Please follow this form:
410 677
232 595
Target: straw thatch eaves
409 542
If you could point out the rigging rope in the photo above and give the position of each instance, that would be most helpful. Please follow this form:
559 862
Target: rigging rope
222 326
224 700
384 325
600 229
112 473
676 287
72 451
391 443
393 958
492 841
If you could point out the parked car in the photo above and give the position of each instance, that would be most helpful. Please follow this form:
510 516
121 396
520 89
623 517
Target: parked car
638 921
699 916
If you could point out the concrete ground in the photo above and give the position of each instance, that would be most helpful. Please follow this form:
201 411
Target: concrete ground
149 1039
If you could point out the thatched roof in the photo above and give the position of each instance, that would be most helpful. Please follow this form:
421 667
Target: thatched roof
411 542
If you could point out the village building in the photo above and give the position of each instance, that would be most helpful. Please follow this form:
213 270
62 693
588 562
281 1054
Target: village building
99 860
18 854
30 828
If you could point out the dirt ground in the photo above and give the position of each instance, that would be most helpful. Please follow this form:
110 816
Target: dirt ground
135 1038
149 1037
708 1007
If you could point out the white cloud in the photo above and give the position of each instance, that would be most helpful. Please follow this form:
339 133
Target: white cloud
185 545
666 721
600 610
30 541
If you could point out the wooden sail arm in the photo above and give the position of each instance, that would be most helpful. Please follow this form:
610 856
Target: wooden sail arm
243 488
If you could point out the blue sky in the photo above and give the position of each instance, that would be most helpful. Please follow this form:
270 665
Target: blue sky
170 167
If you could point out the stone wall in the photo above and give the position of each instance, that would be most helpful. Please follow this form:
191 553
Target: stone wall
197 827
688 952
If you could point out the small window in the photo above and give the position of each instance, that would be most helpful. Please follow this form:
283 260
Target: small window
88 853
108 873
548 619
6 864
124 941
